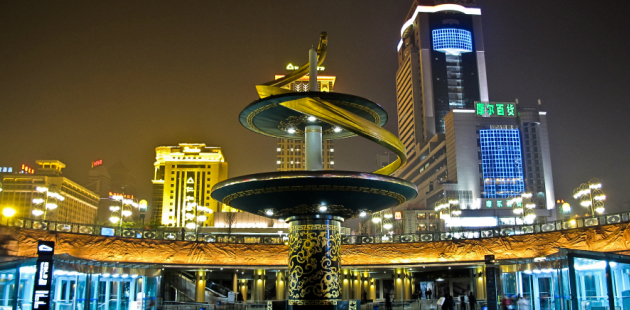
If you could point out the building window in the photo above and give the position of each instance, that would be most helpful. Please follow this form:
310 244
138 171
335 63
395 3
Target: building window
432 216
501 161
422 216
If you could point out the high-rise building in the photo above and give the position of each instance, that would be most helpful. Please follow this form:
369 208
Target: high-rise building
290 152
486 157
67 200
184 176
461 146
111 180
441 66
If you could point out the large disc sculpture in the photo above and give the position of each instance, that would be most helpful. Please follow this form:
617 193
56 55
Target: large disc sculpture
315 202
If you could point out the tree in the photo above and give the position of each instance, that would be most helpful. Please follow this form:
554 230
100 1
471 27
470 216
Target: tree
230 221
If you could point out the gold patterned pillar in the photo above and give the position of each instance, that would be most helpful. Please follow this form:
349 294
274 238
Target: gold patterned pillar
258 287
314 262
234 282
356 285
200 286
243 289
399 278
280 285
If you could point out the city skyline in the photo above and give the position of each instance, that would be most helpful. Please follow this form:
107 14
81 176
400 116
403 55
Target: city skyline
81 85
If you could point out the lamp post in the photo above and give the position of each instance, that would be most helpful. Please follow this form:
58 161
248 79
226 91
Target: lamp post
119 212
524 207
8 212
591 196
46 199
142 206
448 208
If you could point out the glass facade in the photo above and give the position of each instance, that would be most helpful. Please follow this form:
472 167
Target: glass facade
572 280
502 163
109 289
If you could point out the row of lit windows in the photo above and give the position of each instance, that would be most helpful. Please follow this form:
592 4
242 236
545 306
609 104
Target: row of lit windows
501 159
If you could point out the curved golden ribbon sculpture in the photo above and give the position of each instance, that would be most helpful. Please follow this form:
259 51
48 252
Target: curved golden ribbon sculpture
335 115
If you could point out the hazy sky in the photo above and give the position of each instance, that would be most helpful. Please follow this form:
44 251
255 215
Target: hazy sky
112 80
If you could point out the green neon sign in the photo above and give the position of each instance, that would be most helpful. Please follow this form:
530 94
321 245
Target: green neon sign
495 109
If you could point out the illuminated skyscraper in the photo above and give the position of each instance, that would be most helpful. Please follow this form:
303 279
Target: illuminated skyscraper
184 176
290 152
441 66
461 146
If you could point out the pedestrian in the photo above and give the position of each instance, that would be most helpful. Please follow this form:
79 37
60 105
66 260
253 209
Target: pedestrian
523 303
429 293
449 302
388 301
472 301
462 302
183 233
426 292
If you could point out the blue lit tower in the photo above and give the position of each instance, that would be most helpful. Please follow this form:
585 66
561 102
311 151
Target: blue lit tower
441 66
459 143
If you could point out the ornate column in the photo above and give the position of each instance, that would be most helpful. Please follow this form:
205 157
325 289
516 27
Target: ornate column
234 282
314 262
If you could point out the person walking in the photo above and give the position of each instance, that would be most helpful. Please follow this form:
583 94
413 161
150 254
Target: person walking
388 301
428 293
472 301
449 302
462 301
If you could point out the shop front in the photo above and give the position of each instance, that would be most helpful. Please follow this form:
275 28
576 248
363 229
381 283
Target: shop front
568 280
81 285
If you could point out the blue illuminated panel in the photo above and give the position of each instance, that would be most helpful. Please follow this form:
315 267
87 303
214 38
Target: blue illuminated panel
452 40
502 163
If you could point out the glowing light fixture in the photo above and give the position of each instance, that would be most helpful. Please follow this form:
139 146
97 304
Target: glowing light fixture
337 129
312 118
323 208
291 130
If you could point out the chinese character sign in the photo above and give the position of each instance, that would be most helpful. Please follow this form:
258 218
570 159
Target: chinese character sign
495 109
43 275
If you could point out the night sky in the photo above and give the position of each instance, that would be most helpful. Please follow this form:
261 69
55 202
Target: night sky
112 80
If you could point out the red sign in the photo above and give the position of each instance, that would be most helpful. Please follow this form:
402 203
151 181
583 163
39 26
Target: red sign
27 169
112 194
398 215
97 163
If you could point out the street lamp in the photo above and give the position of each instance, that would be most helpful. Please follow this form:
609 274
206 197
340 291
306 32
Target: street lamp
387 222
524 206
142 206
119 212
448 208
591 196
46 198
8 212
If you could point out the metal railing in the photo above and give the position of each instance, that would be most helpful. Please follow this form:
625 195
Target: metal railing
454 234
